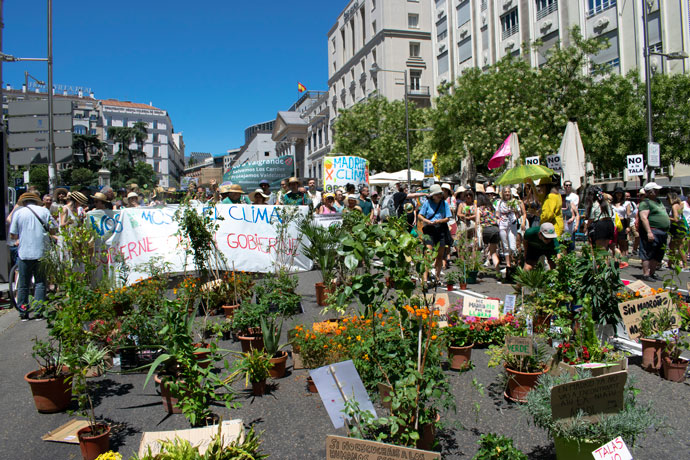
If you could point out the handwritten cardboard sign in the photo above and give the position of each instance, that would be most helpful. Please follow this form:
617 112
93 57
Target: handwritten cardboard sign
641 287
340 447
594 396
481 308
509 304
519 346
613 450
632 311
231 430
442 304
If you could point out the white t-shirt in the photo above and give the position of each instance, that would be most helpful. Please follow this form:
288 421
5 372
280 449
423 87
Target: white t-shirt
686 211
32 236
573 199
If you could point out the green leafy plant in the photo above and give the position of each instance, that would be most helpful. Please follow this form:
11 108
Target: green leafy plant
497 447
247 318
81 361
322 247
277 293
631 423
48 355
254 365
271 332
536 362
458 335
248 448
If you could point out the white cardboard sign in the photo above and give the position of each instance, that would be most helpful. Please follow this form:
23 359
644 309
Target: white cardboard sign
554 162
532 160
635 165
613 450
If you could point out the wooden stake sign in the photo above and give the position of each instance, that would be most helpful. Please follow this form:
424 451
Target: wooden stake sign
442 304
594 396
340 447
641 287
519 346
481 308
632 311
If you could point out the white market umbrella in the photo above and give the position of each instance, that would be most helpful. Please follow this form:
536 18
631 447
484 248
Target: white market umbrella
401 176
382 178
572 154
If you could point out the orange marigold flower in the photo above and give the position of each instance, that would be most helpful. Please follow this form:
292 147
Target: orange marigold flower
433 337
338 332
433 324
383 323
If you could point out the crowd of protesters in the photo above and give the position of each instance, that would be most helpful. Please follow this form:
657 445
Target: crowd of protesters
523 225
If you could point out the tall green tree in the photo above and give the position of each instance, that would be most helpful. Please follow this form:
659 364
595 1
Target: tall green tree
88 150
375 129
126 135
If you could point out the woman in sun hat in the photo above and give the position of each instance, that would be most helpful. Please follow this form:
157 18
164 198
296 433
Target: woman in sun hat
59 200
73 211
328 205
259 197
434 215
132 200
99 200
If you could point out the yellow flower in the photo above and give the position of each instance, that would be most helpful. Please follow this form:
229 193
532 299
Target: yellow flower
359 337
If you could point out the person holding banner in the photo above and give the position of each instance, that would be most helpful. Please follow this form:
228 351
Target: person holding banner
233 194
258 197
294 197
327 206
435 214
314 194
265 187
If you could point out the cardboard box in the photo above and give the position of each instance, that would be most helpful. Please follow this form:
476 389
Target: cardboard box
596 369
231 430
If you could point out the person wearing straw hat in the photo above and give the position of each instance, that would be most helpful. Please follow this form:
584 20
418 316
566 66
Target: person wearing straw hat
132 200
99 201
233 194
294 197
258 197
59 200
352 203
31 227
435 214
73 212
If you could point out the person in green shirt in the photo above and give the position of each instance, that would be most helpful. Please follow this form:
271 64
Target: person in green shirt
541 241
364 201
294 197
233 194
654 226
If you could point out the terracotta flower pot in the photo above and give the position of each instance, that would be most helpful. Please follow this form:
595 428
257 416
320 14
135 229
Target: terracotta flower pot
674 370
259 388
170 402
651 354
251 342
202 357
321 294
450 286
50 395
311 386
427 435
278 369
459 357
463 286
521 383
229 310
93 446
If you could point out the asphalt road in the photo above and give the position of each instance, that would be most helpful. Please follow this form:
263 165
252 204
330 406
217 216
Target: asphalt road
294 422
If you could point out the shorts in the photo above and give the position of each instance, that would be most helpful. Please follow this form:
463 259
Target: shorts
490 235
437 235
602 230
653 250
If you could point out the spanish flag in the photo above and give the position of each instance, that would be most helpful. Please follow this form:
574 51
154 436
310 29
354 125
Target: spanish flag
301 88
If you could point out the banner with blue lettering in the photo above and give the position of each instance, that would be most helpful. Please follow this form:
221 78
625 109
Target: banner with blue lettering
246 235
342 170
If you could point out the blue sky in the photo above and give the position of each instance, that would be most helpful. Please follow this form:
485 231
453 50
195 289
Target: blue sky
216 66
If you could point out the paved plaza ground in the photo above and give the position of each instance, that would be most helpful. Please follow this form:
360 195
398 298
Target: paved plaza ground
294 422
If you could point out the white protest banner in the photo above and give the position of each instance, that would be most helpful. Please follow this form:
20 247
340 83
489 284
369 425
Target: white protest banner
554 162
614 450
481 308
635 165
342 170
532 160
246 236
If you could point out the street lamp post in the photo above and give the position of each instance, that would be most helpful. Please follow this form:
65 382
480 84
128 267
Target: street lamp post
374 70
648 78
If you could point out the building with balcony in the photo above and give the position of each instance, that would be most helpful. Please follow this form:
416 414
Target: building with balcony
396 35
478 33
161 148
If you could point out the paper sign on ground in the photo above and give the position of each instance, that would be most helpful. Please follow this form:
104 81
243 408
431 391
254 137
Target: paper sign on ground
334 387
442 304
481 308
509 304
519 346
594 396
231 430
641 287
614 450
632 311
67 432
340 447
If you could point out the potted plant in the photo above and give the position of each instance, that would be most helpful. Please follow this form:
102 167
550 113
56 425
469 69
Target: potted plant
453 278
51 384
674 366
652 328
522 372
238 286
578 437
247 324
321 246
271 334
94 439
497 447
458 337
255 366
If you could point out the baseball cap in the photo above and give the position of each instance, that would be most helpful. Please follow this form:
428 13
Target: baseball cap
652 186
548 230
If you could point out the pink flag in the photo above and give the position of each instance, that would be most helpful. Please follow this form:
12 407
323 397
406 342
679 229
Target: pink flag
501 154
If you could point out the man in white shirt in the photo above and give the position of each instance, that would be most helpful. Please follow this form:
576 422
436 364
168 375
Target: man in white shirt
571 215
314 194
31 225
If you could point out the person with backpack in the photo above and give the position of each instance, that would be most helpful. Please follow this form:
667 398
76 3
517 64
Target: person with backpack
31 226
